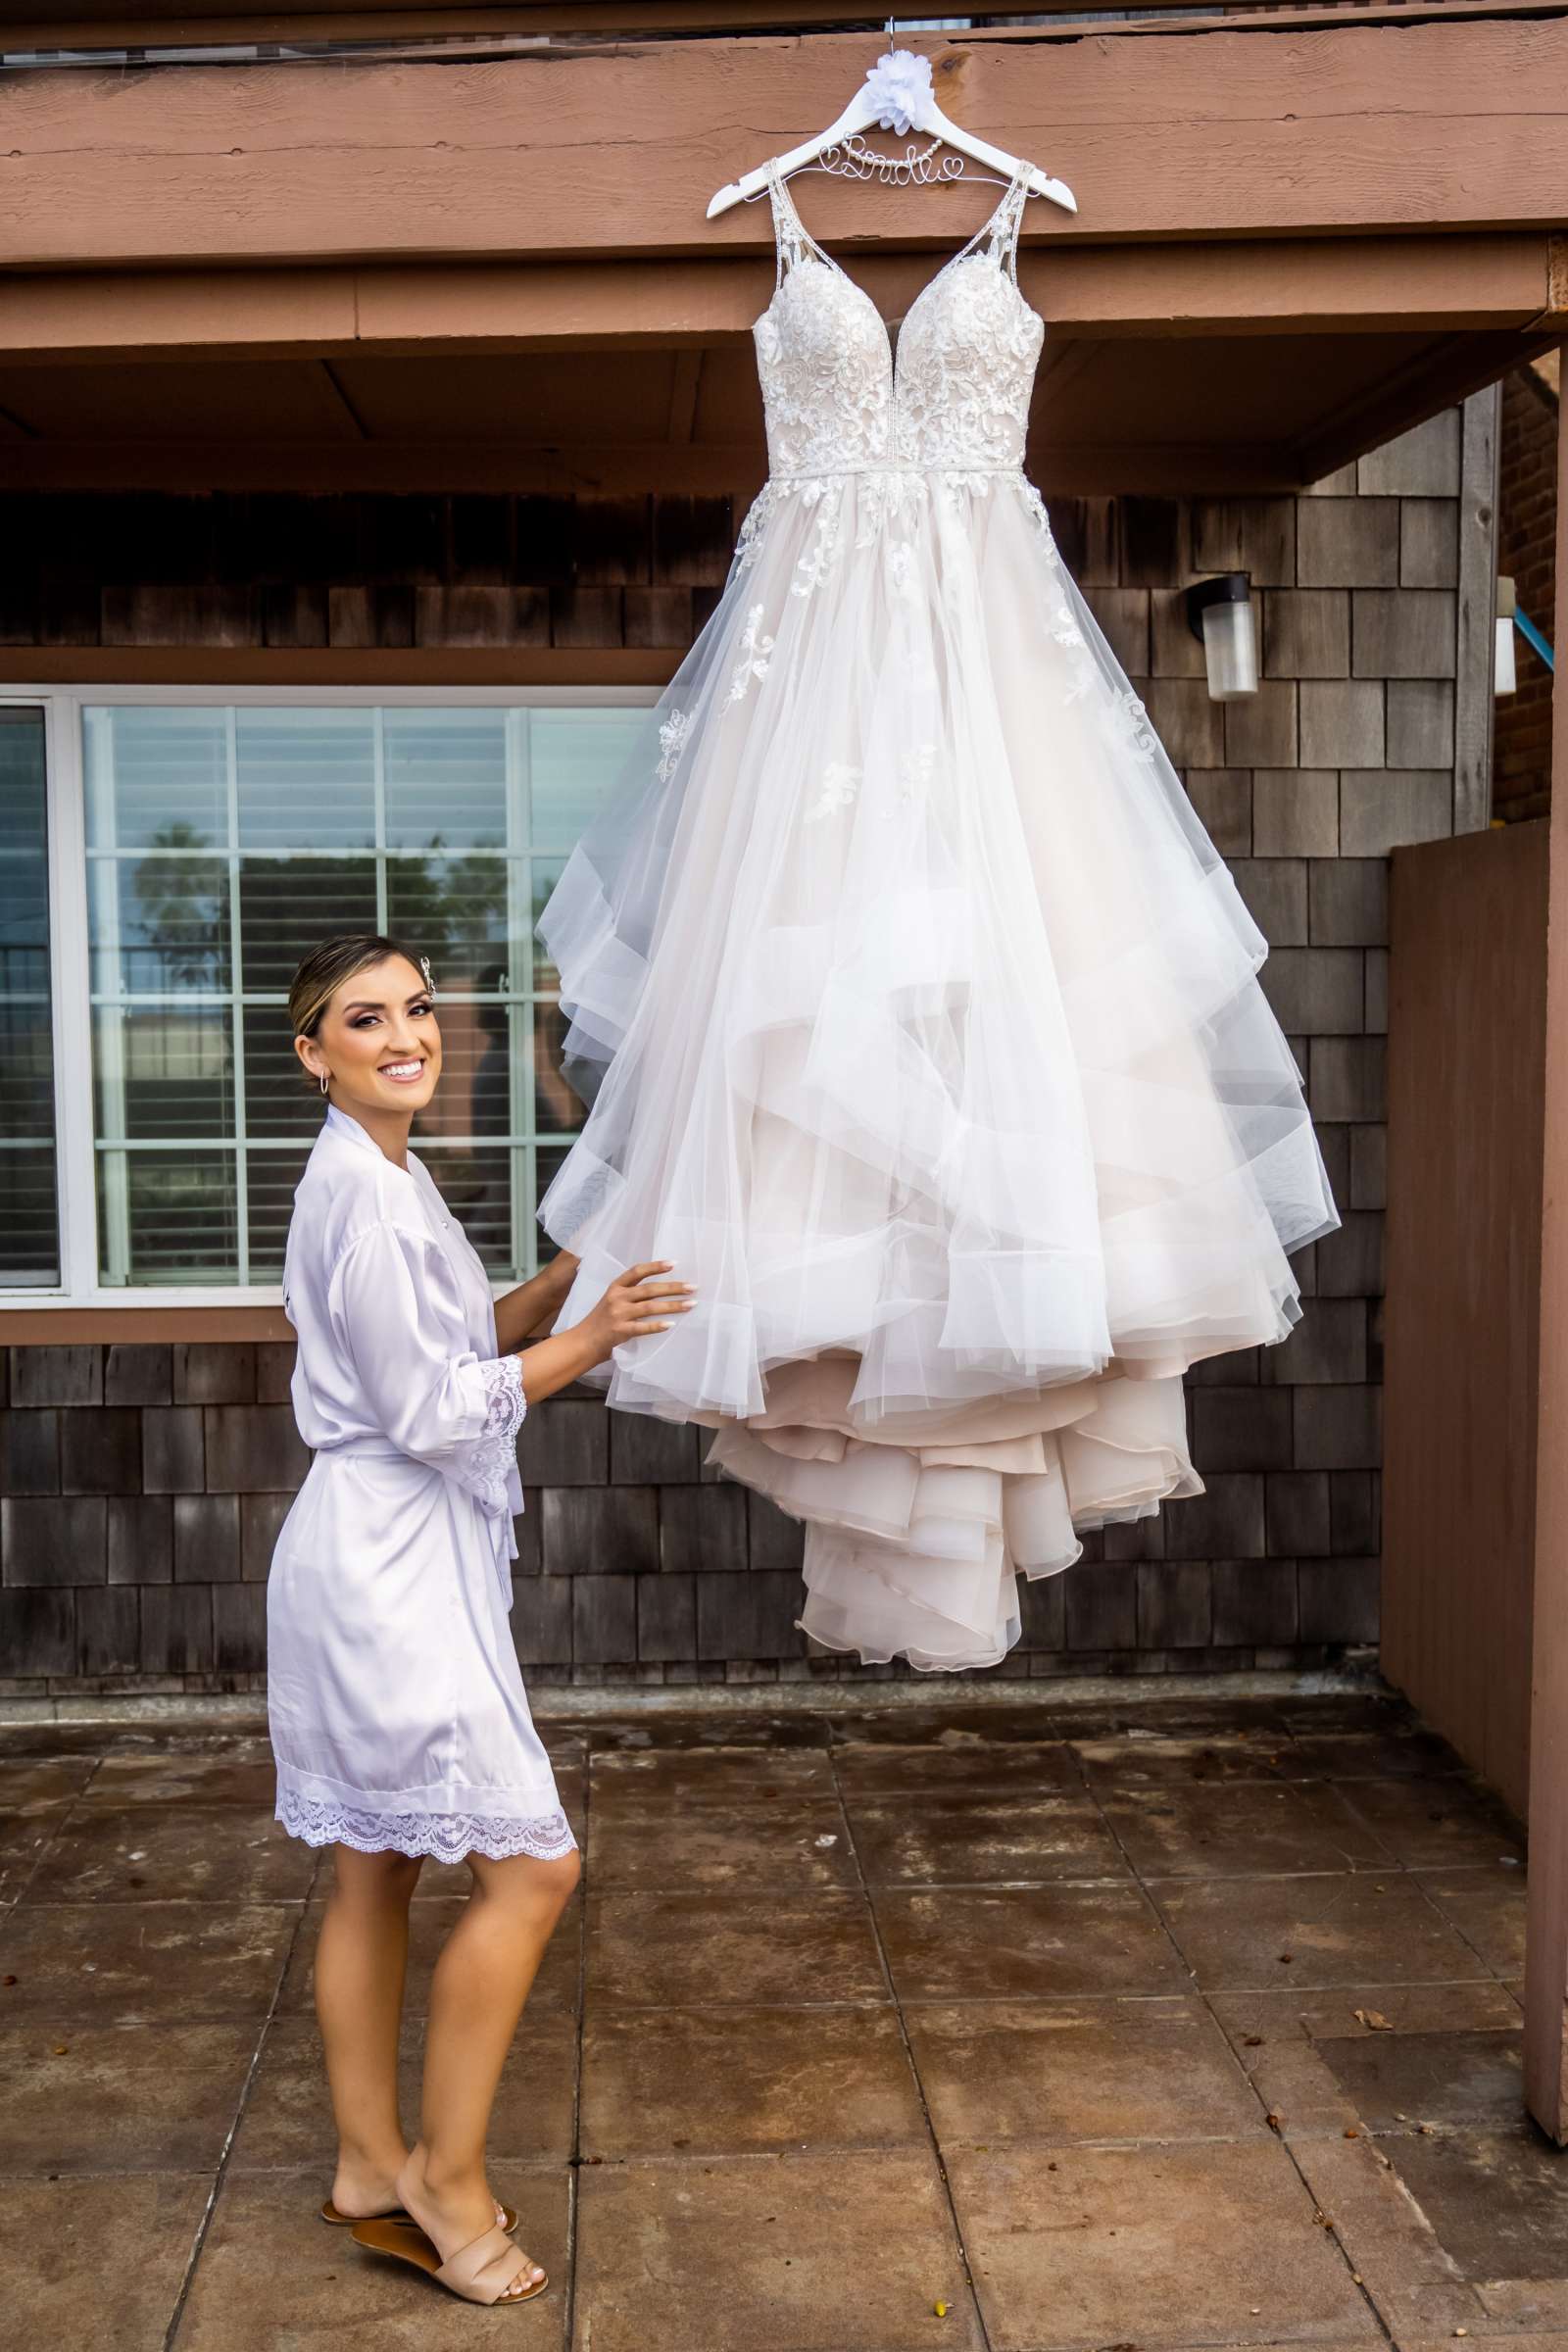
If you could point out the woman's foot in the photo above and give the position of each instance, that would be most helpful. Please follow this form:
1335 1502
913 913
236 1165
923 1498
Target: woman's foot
453 2214
363 2190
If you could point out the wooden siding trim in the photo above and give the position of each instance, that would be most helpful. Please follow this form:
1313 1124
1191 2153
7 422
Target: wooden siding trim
1333 132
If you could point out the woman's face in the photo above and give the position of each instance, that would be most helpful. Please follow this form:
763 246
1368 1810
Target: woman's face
377 1041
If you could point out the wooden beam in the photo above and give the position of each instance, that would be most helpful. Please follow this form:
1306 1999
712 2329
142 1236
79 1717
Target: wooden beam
1545 1987
336 665
615 152
154 24
82 1326
1469 283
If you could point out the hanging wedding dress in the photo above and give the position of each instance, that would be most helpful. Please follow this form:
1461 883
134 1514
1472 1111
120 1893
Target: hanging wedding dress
918 1014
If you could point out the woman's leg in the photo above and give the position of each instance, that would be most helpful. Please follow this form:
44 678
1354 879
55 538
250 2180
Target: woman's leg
360 1965
476 1995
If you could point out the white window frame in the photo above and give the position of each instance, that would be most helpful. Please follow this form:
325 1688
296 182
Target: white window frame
69 958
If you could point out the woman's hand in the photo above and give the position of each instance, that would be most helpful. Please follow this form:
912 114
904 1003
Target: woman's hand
636 1305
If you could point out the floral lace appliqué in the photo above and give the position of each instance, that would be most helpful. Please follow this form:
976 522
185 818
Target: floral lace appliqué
673 742
1133 724
840 784
755 650
446 1837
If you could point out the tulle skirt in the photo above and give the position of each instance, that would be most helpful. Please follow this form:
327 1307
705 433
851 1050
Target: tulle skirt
920 1024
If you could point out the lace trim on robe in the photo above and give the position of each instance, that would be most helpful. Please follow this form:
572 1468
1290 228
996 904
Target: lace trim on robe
444 1836
494 1451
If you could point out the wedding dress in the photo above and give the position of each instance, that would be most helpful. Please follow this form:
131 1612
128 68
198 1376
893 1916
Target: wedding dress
918 1016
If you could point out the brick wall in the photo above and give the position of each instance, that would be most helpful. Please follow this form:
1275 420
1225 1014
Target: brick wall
143 1484
1526 554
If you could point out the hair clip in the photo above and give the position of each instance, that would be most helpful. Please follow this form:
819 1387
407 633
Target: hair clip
430 983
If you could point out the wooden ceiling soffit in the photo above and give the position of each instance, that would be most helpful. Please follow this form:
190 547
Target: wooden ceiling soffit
613 153
1465 283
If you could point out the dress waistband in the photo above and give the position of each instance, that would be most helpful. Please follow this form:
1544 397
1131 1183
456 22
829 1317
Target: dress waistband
834 473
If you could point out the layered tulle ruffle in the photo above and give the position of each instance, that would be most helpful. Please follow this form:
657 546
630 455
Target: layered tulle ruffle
921 1026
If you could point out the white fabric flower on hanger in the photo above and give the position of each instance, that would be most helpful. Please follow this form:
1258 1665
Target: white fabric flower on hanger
897 86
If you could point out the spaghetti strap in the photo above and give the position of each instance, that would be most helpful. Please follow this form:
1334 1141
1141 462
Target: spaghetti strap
791 241
1001 232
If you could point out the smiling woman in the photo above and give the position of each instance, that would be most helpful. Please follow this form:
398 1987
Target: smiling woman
399 1721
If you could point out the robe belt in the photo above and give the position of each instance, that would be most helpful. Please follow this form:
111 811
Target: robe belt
368 1448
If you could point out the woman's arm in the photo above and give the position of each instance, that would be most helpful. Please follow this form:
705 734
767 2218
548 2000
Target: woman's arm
535 1304
636 1303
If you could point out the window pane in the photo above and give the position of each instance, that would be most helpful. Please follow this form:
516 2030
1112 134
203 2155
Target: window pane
280 1097
474 1094
477 1187
288 904
446 779
453 909
159 925
305 779
157 779
574 756
163 1071
30 1232
269 1181
167 1216
225 843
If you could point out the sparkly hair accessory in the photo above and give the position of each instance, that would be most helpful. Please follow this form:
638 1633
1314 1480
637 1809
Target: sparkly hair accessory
424 967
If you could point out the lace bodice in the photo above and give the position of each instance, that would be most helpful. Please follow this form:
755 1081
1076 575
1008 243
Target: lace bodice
953 391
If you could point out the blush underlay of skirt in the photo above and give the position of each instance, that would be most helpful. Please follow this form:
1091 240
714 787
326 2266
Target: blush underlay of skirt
919 1527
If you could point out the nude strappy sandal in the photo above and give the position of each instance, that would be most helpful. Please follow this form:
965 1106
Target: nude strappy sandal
401 2212
479 2271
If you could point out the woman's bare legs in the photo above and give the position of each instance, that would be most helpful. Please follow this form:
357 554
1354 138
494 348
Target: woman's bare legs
476 1996
360 1964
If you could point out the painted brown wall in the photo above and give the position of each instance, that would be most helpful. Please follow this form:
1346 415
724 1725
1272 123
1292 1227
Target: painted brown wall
143 1483
1467 1060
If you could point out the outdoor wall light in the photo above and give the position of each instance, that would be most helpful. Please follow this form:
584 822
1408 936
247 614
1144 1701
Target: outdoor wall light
1510 623
1219 613
1505 670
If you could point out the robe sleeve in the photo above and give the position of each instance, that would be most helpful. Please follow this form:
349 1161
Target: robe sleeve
393 1301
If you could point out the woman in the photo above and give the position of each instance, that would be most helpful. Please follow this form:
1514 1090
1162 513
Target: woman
398 1716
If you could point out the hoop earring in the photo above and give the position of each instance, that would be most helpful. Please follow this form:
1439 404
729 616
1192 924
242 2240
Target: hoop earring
326 1076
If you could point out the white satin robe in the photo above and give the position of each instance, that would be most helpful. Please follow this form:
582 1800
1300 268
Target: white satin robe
394 1703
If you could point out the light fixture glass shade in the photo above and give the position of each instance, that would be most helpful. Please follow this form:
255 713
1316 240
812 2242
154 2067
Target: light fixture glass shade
1230 650
1504 676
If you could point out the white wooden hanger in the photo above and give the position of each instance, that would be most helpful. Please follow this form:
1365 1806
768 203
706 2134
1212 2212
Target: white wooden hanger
897 94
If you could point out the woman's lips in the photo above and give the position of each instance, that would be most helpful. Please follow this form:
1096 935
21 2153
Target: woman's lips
403 1073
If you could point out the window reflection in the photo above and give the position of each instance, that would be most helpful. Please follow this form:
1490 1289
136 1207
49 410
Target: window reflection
221 843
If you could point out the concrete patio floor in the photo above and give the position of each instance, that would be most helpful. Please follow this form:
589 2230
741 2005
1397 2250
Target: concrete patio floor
1167 2024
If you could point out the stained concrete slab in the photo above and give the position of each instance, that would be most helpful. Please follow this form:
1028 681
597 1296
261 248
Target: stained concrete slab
1083 2070
671 1950
729 2081
800 2253
1078 2247
1160 2079
83 2097
1025 1942
930 1838
1312 1930
98 2261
